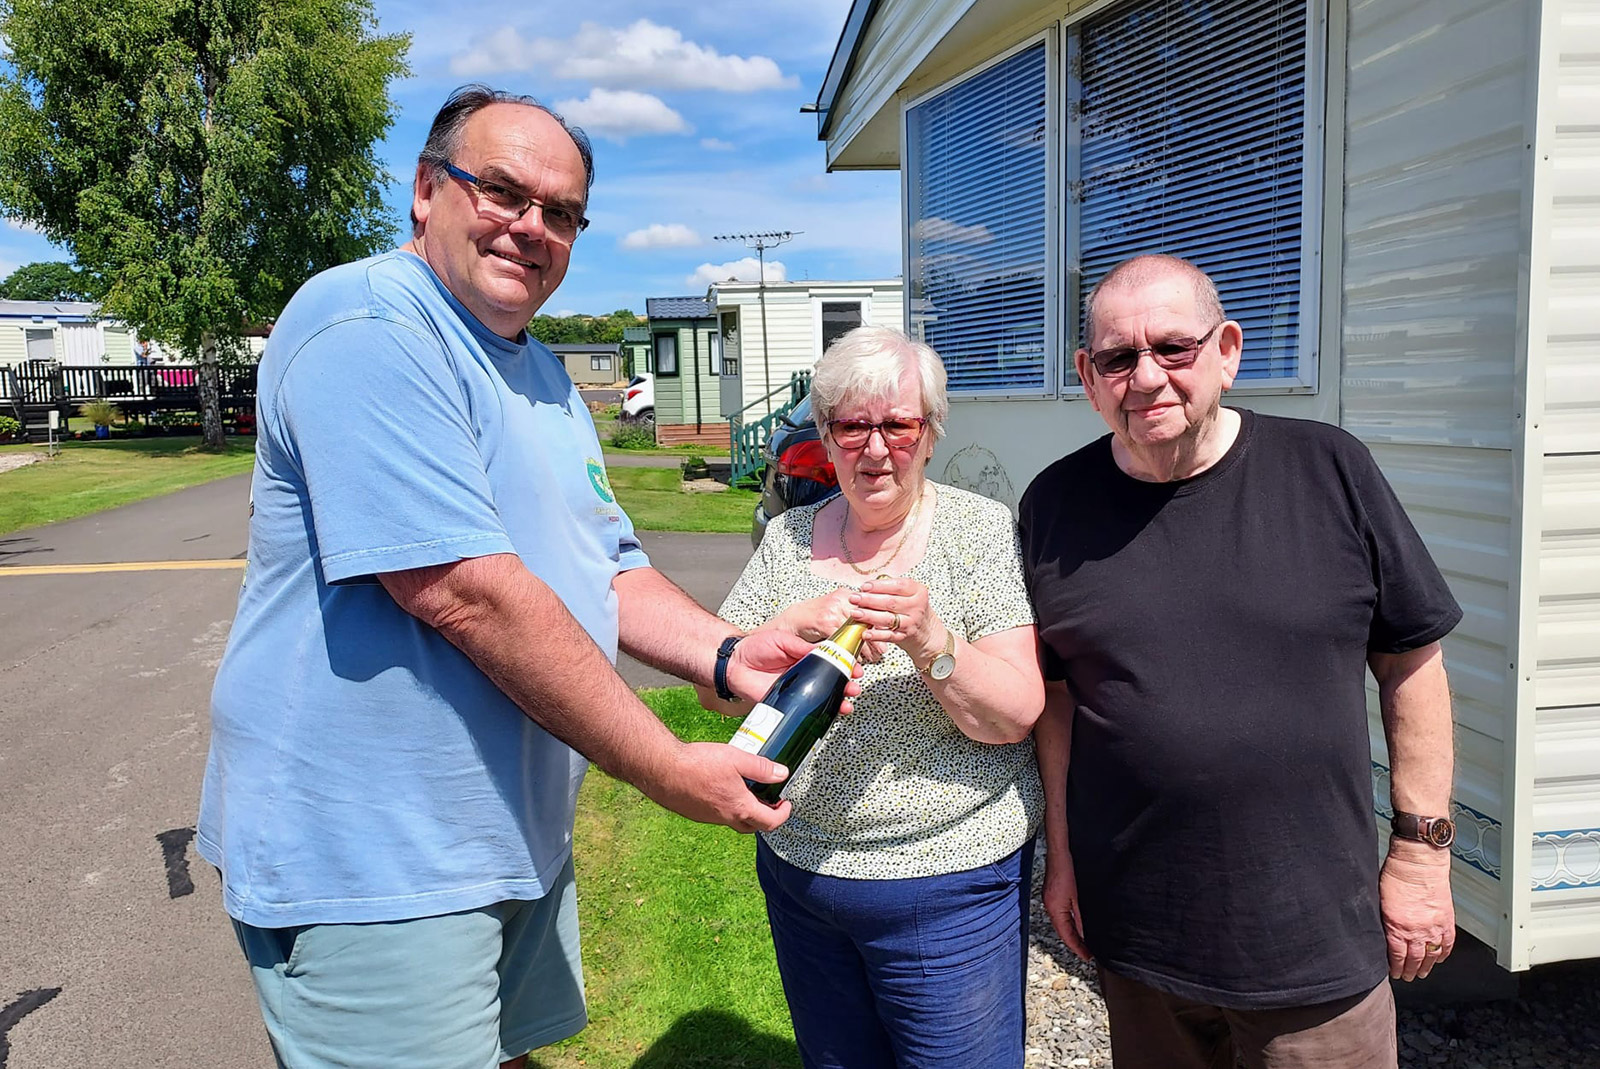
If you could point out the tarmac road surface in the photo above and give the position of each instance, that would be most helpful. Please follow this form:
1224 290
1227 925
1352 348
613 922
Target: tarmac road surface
114 947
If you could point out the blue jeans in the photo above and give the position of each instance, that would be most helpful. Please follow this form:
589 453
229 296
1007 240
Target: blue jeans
923 973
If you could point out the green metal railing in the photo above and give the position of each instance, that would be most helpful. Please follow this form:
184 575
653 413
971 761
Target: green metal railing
748 437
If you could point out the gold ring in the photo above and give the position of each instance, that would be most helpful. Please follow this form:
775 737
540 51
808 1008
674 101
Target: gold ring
1433 948
896 626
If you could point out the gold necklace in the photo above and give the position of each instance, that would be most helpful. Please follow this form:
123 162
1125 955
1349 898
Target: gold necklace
844 544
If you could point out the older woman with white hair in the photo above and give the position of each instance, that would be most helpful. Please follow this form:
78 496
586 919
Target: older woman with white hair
897 891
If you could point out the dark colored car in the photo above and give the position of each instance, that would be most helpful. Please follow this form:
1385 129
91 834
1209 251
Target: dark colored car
798 469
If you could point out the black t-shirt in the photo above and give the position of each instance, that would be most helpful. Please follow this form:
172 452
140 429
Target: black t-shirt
1214 634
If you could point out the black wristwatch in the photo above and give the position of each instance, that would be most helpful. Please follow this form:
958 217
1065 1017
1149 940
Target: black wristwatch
719 675
1435 831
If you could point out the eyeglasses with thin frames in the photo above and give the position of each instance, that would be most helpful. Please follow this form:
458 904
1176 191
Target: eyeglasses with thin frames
897 433
507 205
1172 354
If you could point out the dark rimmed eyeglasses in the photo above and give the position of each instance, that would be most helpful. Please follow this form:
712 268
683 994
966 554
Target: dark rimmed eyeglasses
1172 354
856 433
507 205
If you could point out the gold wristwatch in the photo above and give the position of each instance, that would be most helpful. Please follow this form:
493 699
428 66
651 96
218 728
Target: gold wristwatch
945 663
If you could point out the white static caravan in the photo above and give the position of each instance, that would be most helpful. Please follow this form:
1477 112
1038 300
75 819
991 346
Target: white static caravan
1400 201
801 318
68 332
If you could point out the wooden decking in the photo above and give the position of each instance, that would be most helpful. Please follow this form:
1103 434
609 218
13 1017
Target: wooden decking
711 434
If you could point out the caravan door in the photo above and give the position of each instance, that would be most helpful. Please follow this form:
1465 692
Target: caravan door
731 399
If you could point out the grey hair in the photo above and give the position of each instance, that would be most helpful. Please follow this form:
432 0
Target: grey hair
444 137
866 365
1149 267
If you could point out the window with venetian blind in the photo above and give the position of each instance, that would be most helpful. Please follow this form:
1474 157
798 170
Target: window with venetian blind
1186 124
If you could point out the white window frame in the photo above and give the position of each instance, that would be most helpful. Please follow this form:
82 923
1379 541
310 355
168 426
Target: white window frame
1054 255
861 300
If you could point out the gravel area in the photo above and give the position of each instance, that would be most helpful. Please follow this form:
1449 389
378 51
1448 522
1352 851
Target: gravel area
1555 1024
13 461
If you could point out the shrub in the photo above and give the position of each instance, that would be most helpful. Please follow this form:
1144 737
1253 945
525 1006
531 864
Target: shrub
9 425
100 412
630 435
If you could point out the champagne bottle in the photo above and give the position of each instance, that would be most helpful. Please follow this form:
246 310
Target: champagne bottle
800 707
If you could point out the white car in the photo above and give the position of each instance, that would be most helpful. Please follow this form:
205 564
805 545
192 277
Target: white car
639 399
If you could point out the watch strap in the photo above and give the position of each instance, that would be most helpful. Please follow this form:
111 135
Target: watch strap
1435 831
719 674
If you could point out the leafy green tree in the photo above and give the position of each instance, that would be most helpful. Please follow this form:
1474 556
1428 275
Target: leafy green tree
611 326
204 158
49 280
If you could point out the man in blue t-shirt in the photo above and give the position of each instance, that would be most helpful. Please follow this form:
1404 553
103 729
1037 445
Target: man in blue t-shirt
1212 586
422 664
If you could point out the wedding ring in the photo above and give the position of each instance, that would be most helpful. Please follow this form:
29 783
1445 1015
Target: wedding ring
1433 948
896 626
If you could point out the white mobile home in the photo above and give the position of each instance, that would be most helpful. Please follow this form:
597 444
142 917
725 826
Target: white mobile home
1400 202
68 332
767 333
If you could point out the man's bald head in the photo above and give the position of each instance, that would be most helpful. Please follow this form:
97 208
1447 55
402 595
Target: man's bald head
1144 269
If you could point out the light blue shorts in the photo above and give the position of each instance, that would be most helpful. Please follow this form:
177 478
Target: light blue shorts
461 991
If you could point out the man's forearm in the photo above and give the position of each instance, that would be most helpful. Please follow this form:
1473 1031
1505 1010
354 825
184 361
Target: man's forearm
665 628
519 634
1052 738
1414 698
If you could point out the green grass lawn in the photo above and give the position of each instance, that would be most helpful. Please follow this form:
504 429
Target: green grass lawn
90 476
655 502
678 961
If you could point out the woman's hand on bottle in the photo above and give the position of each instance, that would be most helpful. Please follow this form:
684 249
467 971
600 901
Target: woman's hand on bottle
819 618
896 609
765 654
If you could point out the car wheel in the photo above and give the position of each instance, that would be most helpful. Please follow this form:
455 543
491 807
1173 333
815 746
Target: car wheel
647 417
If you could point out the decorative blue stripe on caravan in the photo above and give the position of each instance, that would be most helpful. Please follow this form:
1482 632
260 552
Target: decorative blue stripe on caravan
1563 860
1477 834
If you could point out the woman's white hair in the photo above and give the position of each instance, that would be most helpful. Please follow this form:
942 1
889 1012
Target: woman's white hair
866 365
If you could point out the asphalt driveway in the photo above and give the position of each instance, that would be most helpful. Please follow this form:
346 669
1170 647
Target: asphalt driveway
115 948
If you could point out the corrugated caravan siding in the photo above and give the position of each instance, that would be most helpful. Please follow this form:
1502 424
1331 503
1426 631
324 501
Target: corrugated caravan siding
13 344
1434 156
1436 106
1565 912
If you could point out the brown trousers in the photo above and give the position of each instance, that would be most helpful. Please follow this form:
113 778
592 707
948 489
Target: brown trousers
1152 1029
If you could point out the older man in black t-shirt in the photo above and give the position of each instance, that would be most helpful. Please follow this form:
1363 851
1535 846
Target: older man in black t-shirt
1211 586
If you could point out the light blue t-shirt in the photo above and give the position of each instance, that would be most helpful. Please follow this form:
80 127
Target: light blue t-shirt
361 767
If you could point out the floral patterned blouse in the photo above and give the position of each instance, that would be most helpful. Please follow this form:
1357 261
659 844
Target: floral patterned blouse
895 789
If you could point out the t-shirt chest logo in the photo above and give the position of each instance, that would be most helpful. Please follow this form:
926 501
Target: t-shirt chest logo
598 480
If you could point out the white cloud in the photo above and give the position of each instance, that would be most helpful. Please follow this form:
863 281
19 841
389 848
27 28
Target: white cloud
621 114
644 55
716 144
24 227
745 270
662 236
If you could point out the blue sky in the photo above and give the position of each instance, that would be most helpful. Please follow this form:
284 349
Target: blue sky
694 110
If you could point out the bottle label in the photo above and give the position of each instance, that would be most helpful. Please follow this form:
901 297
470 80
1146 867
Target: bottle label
836 655
756 729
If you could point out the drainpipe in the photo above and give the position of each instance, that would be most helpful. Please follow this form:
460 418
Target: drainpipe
694 332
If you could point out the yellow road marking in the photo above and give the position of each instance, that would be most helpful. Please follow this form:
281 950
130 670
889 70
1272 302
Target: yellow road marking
125 566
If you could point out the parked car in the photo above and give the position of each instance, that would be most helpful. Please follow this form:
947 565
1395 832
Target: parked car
639 399
798 471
